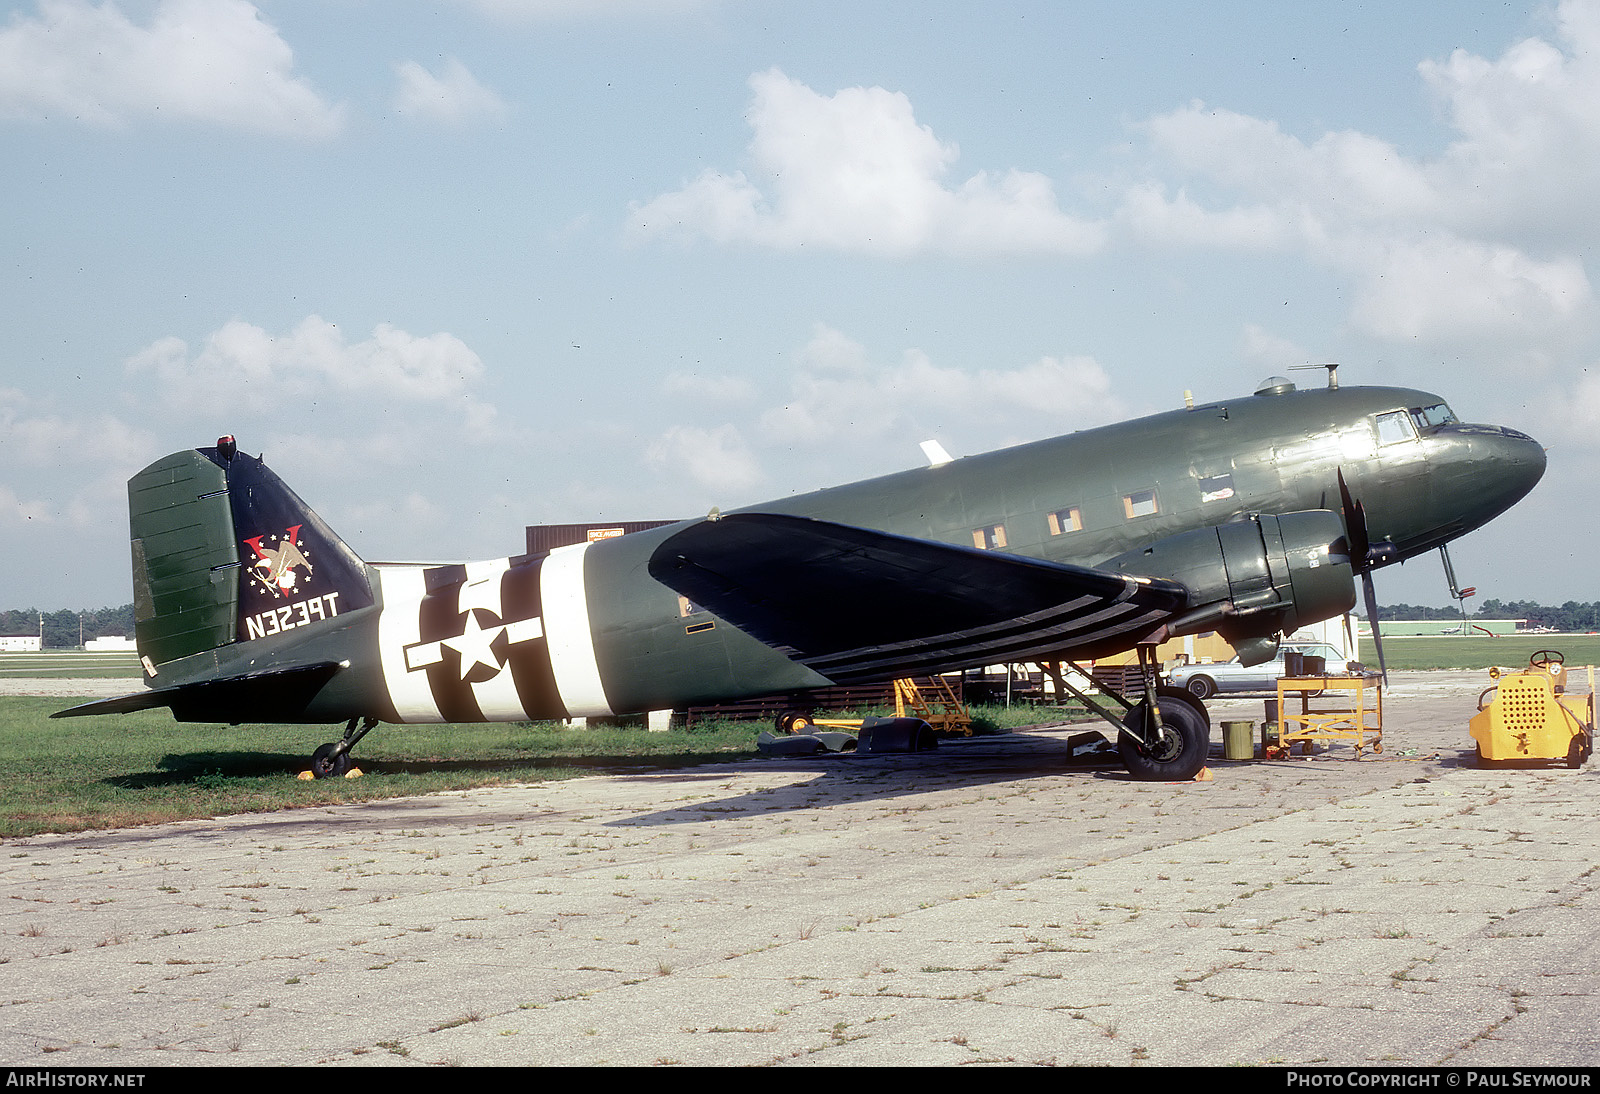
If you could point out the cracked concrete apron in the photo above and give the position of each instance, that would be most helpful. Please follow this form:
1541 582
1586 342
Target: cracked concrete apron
988 902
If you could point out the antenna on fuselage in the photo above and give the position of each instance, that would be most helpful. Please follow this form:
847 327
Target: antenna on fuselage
1331 366
935 454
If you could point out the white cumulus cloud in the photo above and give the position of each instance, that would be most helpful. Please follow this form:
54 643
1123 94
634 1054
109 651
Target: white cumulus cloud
213 61
451 96
855 171
716 459
837 391
529 11
1485 241
243 366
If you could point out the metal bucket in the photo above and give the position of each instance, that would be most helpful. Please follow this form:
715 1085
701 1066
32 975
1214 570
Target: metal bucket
1237 740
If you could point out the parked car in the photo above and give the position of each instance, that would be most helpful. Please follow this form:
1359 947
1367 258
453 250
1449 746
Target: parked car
1204 681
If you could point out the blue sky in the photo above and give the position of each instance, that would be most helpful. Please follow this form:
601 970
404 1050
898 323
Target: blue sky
459 266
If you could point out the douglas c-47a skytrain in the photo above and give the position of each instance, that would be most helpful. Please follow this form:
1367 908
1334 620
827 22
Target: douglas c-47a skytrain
1251 517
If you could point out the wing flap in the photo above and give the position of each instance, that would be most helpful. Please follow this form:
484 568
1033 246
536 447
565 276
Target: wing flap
856 604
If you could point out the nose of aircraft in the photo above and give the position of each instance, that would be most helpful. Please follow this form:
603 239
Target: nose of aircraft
1491 469
1515 461
1470 474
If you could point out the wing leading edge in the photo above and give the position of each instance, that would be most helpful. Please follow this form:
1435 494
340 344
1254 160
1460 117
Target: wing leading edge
857 605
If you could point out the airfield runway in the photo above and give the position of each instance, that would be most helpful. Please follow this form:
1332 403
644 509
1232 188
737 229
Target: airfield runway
988 902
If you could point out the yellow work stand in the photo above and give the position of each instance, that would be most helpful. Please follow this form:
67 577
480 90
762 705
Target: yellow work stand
1347 708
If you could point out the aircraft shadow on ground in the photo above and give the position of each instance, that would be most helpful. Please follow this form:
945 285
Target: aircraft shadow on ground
194 768
853 777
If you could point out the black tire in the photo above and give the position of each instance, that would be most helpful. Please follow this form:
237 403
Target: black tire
326 763
1202 687
1183 696
1184 748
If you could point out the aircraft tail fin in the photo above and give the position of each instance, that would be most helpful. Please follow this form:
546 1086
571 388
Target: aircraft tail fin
224 552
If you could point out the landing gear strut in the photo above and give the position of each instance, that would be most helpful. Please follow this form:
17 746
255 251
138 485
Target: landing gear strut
1165 737
332 760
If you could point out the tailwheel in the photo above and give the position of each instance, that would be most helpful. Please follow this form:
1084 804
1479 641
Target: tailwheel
1179 748
330 762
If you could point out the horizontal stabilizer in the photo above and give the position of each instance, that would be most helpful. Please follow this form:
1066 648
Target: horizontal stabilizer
855 604
279 695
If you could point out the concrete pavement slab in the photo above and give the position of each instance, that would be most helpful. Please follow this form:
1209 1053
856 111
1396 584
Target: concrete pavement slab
990 901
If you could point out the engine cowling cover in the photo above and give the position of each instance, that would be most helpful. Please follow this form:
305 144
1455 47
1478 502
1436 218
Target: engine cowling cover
1255 577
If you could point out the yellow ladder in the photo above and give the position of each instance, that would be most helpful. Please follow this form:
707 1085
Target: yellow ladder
935 702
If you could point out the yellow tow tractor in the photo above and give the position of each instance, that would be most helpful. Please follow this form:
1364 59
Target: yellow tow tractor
1530 716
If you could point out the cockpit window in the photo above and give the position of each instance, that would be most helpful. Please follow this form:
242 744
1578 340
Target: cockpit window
1428 416
1395 426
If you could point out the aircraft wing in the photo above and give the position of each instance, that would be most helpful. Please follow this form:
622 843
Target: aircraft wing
858 605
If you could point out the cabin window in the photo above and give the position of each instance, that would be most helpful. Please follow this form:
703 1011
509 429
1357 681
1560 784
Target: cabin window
1065 520
1396 426
1216 487
992 538
1141 503
687 607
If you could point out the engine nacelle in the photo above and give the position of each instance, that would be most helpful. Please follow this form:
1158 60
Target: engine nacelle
1253 578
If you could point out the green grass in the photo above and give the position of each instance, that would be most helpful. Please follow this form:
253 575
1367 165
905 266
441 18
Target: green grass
1434 652
67 664
67 775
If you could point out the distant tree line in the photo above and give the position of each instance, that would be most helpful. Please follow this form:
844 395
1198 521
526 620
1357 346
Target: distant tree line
61 629
1571 616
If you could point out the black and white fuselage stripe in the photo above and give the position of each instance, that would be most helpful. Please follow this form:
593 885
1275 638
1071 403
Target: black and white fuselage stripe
504 639
1081 622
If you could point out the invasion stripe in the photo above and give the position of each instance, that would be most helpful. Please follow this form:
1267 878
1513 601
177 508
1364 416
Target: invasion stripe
529 655
402 589
1060 620
865 665
566 625
438 619
496 697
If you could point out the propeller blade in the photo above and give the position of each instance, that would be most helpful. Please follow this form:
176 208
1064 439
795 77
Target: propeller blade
1371 596
1363 559
1355 526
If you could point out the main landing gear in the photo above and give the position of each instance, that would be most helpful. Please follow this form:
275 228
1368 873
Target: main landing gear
1166 736
332 760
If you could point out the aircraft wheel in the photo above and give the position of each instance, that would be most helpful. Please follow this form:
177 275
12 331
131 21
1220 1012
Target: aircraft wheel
326 764
1201 687
1181 752
793 721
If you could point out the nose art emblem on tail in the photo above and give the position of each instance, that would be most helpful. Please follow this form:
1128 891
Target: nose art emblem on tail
274 568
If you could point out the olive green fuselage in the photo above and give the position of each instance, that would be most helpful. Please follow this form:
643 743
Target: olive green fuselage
587 630
1124 485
